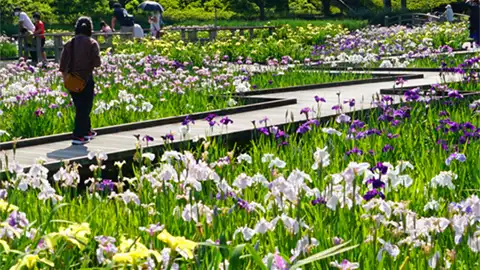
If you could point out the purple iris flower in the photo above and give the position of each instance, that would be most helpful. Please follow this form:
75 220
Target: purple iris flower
319 200
319 99
376 183
381 168
225 121
305 111
355 150
337 107
106 184
454 94
147 138
357 124
372 194
392 136
468 126
400 81
304 128
373 131
210 117
387 98
351 102
387 148
264 120
280 134
283 143
443 113
188 120
455 156
412 95
212 123
313 122
39 112
168 137
264 130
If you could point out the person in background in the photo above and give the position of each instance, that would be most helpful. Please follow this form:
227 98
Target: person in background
125 20
81 55
25 28
448 14
138 31
154 21
105 28
39 32
474 26
23 20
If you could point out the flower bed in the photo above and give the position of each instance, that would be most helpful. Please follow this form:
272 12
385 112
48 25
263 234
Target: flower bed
136 88
8 49
395 185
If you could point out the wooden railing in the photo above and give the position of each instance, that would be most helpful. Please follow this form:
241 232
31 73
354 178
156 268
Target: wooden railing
190 34
417 18
187 34
57 48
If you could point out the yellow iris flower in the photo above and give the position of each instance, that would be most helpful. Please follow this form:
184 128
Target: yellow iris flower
131 252
30 261
5 246
183 246
76 234
6 207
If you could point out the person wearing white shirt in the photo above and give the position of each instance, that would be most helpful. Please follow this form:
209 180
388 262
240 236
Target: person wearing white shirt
449 13
23 20
154 21
138 31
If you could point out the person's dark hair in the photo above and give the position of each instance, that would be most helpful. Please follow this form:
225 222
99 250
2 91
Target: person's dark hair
84 26
117 5
102 24
36 15
17 9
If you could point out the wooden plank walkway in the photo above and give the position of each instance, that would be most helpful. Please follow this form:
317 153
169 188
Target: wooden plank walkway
63 150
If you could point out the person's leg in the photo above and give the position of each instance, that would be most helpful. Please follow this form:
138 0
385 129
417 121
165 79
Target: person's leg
44 55
89 96
77 101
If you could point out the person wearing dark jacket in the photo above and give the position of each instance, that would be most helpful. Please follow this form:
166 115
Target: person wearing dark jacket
125 20
474 21
81 55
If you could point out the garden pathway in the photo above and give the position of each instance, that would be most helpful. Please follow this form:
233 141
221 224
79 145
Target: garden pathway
110 143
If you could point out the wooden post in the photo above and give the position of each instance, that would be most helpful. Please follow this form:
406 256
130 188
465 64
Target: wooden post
20 46
386 20
182 34
251 30
57 47
192 35
400 19
38 48
212 34
233 32
270 30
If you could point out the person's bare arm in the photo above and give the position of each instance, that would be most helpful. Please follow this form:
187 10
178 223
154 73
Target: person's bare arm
114 20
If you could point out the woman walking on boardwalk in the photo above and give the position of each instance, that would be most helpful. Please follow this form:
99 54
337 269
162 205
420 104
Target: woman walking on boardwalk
79 58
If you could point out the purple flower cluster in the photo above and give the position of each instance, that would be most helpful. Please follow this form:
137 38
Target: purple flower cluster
376 183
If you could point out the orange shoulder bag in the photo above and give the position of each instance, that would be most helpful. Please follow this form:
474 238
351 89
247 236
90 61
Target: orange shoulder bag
72 81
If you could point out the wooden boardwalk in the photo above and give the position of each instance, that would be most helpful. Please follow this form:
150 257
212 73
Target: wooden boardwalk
111 143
